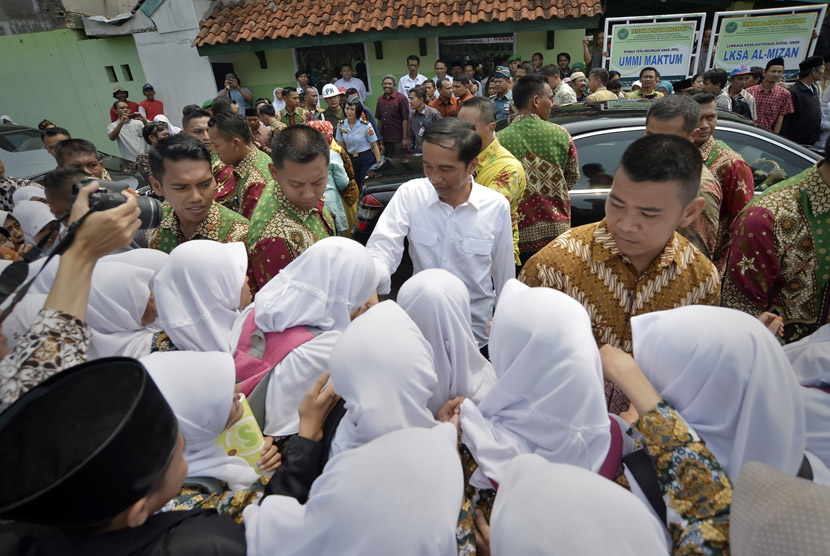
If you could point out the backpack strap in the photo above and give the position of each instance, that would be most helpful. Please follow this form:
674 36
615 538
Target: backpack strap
206 485
258 395
639 464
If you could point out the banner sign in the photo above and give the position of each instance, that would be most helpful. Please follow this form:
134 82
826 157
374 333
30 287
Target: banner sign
666 46
755 40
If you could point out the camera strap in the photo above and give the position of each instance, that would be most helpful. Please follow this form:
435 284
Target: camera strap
16 273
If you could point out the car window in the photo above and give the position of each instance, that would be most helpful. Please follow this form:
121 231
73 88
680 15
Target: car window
19 141
764 156
599 154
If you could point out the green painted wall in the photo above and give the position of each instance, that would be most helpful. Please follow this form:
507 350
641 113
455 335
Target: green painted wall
60 75
281 66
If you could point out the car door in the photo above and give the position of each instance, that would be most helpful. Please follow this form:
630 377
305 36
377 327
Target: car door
766 155
599 155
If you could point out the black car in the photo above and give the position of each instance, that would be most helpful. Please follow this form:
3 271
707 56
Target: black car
601 132
24 156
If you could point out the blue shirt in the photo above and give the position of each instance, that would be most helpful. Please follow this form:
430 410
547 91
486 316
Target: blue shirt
358 138
237 96
502 105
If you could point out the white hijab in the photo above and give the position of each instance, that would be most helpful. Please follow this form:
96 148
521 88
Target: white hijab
33 217
118 298
810 358
199 387
729 378
198 291
596 516
320 288
399 494
439 303
550 397
6 119
22 316
278 104
46 276
144 258
26 193
170 127
382 367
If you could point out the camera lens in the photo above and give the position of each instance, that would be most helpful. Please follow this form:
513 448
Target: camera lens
150 212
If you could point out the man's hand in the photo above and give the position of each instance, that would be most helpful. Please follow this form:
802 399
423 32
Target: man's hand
271 458
315 408
125 118
103 231
450 412
482 534
141 117
773 322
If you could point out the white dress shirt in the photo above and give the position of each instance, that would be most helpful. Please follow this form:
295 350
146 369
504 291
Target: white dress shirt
354 82
405 83
474 241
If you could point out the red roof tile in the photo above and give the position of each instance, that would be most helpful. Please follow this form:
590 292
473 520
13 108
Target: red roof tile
240 21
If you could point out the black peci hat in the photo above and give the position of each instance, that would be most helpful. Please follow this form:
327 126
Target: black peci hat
84 445
775 62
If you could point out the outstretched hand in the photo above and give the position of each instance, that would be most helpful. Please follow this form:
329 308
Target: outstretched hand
450 412
315 408
482 534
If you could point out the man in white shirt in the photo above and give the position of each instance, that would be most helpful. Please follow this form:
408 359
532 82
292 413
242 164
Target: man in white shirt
451 222
347 82
127 131
413 77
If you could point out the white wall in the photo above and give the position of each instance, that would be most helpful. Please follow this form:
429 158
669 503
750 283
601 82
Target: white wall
179 75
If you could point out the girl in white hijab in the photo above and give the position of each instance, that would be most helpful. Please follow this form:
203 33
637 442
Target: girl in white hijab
199 292
37 221
810 358
152 259
321 289
200 389
598 519
382 368
549 398
29 193
730 380
439 303
170 127
399 494
12 225
120 308
279 103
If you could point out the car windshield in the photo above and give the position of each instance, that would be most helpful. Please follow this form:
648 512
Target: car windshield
20 140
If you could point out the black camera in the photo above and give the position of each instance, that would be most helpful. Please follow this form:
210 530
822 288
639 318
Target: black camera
132 116
109 196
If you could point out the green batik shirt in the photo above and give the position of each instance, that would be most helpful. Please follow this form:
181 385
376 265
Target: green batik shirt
221 224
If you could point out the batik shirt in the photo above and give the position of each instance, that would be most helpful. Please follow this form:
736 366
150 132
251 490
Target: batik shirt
563 94
299 117
251 175
703 232
9 185
586 264
280 232
548 156
228 502
737 188
780 253
502 172
692 482
418 122
225 182
221 224
55 341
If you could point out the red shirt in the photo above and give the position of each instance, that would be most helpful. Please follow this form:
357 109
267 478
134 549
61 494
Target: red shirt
447 109
770 105
153 108
391 113
133 109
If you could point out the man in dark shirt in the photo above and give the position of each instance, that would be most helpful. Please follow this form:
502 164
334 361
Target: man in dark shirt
804 125
393 117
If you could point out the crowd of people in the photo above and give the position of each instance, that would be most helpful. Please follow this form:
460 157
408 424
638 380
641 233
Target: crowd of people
225 379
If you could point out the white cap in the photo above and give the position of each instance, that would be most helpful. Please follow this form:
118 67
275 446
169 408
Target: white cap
330 91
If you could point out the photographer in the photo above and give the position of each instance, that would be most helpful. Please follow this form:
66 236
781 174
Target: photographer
59 337
233 90
128 130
